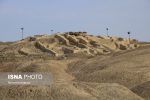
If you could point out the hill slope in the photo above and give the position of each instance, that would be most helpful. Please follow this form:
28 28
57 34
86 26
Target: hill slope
84 67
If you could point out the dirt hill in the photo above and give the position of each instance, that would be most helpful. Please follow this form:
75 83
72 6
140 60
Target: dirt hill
61 44
84 67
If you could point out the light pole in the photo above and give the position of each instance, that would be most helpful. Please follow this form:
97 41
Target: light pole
129 36
22 32
107 31
52 31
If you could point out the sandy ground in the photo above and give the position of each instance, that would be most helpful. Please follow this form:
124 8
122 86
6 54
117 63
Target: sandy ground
118 75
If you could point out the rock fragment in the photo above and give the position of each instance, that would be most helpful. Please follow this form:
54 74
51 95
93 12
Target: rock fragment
44 49
62 39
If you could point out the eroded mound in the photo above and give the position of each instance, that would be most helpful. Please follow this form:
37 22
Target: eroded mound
84 67
61 44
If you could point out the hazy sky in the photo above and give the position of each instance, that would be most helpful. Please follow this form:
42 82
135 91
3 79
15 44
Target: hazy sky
41 16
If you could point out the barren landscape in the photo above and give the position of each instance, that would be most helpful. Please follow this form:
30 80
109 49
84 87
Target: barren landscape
84 67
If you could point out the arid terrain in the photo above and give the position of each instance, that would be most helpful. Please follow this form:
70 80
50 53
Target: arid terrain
84 67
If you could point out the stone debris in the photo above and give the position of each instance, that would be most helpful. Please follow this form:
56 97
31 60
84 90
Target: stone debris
32 39
133 46
77 33
62 39
92 51
120 39
123 47
104 37
82 40
78 42
87 51
94 43
44 49
72 39
101 37
68 50
23 52
26 51
100 51
80 45
106 51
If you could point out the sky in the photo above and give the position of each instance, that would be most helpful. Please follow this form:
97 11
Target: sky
93 16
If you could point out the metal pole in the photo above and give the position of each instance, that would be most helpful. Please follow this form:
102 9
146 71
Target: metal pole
22 32
52 31
129 36
107 31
